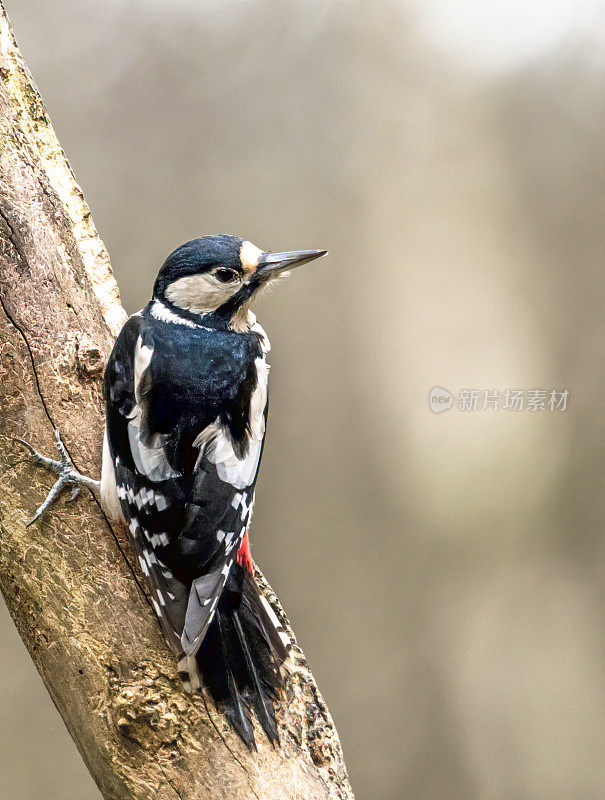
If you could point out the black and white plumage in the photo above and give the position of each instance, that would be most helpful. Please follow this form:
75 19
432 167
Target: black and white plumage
186 397
186 406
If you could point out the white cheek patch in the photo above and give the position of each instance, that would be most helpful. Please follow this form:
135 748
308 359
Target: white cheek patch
249 255
200 294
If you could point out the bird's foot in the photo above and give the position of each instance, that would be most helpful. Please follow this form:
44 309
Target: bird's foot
64 468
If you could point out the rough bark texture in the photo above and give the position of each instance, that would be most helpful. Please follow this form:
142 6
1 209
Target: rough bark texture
72 591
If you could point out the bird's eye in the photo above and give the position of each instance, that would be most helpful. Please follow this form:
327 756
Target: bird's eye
225 275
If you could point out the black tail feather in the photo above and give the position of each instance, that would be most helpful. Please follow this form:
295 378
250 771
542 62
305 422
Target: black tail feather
240 659
236 706
263 695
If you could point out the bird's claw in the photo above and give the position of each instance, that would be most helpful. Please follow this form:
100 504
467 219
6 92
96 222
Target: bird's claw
64 468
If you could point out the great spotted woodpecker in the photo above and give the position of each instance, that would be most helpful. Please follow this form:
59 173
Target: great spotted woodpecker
186 408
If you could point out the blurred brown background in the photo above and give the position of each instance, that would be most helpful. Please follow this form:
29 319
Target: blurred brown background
444 573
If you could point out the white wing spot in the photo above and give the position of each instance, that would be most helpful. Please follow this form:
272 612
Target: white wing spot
160 502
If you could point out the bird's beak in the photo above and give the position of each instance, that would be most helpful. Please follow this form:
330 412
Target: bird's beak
272 264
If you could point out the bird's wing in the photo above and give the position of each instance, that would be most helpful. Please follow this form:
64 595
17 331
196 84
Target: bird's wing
186 487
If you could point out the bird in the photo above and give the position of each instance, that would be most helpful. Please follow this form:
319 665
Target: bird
185 392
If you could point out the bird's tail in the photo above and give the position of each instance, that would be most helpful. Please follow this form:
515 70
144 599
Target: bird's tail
240 658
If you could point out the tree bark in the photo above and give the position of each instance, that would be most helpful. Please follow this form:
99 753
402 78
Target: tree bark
69 580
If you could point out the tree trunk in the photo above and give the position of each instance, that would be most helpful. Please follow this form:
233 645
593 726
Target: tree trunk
69 580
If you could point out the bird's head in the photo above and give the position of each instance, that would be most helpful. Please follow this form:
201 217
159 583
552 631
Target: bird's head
218 276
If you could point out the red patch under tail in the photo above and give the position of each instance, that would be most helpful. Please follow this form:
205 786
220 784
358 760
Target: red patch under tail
244 556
